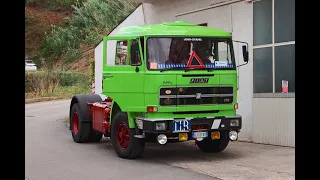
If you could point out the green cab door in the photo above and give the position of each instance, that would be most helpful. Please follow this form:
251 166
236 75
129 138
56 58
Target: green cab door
123 72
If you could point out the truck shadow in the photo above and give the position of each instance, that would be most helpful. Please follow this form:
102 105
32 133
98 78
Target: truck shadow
182 152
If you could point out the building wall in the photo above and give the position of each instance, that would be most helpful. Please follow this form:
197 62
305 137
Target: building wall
274 61
274 121
166 10
98 58
242 31
136 18
265 120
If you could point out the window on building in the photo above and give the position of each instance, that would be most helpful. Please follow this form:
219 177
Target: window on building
273 45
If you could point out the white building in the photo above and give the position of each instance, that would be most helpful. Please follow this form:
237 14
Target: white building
269 28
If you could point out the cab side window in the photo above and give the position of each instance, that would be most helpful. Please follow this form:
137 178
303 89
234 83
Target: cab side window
135 53
121 53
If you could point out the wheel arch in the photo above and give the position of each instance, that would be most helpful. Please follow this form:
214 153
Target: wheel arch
116 108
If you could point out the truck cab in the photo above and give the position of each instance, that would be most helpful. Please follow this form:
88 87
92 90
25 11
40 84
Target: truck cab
168 82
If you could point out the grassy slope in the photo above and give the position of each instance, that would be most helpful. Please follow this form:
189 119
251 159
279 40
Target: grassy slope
38 20
39 17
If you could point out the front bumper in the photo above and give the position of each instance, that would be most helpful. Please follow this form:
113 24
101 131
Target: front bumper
148 126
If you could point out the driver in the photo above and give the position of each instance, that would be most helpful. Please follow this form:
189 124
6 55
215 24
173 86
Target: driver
206 57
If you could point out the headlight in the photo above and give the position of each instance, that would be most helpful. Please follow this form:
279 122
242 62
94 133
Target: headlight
160 126
162 139
233 135
234 122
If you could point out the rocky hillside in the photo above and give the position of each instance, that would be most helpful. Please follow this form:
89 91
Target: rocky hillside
38 20
63 33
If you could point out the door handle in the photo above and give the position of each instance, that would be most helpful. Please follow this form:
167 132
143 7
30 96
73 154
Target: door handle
107 76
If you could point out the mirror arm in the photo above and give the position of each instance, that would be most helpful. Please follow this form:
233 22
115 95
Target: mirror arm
242 64
242 42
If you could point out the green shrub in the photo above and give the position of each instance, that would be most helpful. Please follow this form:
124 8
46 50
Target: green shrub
27 82
72 78
54 4
47 81
61 42
41 82
90 21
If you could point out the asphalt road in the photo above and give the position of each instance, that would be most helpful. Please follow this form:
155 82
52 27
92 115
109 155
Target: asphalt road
51 153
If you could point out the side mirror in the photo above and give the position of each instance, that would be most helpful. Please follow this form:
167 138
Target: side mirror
135 58
245 54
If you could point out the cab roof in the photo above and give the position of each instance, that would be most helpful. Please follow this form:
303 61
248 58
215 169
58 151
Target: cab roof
177 28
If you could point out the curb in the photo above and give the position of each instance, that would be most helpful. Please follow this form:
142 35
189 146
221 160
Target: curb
33 100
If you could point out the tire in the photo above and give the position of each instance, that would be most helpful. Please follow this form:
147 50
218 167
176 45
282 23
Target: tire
95 137
125 144
81 131
214 146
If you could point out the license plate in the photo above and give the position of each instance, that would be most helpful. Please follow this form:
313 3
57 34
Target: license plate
181 125
200 134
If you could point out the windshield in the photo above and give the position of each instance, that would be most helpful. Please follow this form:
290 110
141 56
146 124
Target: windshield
189 53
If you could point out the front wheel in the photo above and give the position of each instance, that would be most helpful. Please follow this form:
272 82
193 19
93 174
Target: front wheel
214 146
123 140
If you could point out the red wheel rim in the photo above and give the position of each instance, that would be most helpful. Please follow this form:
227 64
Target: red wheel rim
122 135
75 123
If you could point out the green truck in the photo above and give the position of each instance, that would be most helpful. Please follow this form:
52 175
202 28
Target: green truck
162 83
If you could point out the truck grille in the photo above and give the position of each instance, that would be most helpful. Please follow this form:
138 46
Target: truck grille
196 95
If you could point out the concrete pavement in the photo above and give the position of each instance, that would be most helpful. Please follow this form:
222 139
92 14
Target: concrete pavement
240 161
52 154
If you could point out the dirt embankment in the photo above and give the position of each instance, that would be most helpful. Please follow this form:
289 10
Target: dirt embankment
39 20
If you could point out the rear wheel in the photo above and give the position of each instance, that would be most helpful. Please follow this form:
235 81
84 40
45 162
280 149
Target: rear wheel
82 131
214 146
123 140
